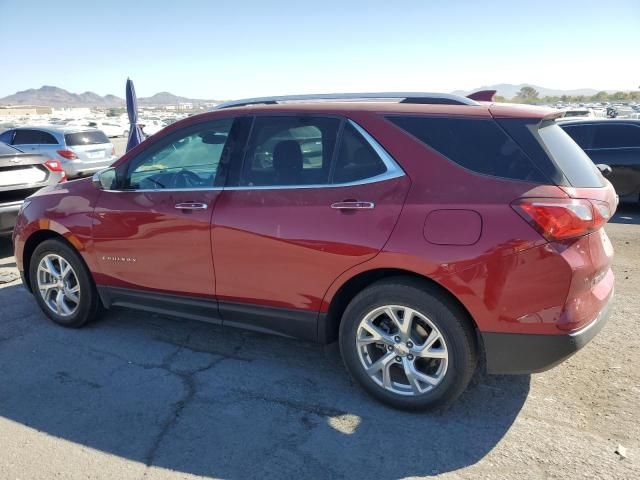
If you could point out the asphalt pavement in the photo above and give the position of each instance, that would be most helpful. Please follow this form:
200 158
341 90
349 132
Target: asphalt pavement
138 395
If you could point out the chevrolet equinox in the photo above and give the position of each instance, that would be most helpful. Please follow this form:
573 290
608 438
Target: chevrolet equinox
427 233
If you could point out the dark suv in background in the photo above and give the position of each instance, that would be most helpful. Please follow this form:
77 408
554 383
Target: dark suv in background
615 143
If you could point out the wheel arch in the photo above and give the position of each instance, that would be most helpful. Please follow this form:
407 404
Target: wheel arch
31 243
329 323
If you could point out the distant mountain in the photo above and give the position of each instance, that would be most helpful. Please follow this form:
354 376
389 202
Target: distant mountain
166 98
509 90
59 97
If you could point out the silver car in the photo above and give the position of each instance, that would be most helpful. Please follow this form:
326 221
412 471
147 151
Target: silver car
80 150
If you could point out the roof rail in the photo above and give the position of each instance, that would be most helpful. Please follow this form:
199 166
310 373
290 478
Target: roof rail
404 97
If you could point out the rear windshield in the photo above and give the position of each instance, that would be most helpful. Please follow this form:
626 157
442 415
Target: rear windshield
576 165
85 138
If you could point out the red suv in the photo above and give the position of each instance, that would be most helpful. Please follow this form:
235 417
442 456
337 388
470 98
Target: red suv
427 233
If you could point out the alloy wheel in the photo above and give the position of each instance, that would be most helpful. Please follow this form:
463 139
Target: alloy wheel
58 285
402 350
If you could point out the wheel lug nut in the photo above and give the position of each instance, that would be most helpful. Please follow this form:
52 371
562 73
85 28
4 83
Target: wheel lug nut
409 357
390 348
398 359
397 339
410 344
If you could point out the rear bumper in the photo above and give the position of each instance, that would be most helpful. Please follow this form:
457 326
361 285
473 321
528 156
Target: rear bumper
518 353
8 215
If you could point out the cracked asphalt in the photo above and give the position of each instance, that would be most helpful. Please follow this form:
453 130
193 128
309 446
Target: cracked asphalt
138 395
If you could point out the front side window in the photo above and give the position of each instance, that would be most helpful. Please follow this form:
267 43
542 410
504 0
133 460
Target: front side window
290 150
26 137
186 159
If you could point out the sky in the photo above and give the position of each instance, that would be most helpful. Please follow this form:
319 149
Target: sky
241 48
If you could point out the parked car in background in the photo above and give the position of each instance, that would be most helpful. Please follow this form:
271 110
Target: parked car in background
22 174
151 127
80 150
614 142
110 129
423 235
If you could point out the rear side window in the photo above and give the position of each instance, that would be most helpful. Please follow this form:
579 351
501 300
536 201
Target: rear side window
576 166
356 158
85 138
479 145
47 139
616 135
290 150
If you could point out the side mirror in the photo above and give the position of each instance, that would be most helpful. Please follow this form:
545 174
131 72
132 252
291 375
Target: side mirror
104 179
605 170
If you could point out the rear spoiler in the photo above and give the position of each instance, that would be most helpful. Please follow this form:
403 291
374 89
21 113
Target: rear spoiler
482 95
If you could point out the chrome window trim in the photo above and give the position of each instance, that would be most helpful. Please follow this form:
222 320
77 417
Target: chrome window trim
393 171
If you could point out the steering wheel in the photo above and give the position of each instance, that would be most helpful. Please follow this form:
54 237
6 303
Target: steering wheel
185 179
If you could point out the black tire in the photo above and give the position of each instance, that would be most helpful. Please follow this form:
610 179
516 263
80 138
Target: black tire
89 307
449 318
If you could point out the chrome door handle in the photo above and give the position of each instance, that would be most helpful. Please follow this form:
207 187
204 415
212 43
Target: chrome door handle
191 206
353 205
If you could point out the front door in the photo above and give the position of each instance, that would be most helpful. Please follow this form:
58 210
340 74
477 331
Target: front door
314 197
152 233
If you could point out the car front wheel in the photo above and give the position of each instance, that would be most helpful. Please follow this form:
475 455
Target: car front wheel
62 284
407 344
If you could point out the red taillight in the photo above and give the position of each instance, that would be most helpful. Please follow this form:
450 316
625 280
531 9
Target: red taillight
559 219
68 154
56 166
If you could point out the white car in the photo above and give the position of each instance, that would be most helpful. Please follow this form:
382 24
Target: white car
111 129
151 127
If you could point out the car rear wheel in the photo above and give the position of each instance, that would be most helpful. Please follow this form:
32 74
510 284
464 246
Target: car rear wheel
62 284
407 344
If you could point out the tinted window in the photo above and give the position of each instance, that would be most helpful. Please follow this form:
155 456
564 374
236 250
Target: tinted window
187 159
581 134
26 137
569 157
356 159
47 139
477 144
6 136
85 138
288 150
616 135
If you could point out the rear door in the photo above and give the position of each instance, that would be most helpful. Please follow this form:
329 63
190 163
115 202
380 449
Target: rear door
313 197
